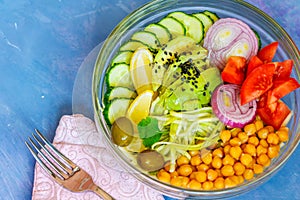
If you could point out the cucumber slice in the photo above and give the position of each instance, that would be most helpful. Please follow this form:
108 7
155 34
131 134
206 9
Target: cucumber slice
258 38
194 27
174 26
160 31
212 15
206 20
122 57
147 38
119 75
132 45
119 92
115 109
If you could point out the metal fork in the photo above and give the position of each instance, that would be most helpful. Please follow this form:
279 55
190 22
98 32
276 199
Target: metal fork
61 168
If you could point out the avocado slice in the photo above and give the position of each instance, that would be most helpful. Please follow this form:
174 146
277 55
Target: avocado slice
167 55
196 56
195 85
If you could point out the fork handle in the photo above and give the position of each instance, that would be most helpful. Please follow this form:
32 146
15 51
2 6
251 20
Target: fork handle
101 193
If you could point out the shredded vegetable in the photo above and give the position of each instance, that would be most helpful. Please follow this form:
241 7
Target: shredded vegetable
188 130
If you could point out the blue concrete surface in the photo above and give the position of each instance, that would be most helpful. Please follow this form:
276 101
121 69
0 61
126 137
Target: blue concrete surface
42 45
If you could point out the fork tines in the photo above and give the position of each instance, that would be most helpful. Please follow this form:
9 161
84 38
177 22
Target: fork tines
50 159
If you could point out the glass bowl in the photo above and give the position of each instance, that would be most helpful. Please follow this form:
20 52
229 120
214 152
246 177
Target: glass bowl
268 30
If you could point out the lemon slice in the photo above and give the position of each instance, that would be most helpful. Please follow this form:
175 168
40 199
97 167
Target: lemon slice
140 106
140 69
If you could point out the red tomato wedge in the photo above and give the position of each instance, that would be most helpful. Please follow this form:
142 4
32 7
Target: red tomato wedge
267 53
253 63
274 114
257 82
281 88
283 69
234 71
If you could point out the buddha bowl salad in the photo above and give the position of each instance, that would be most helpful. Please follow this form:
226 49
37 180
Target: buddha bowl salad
195 99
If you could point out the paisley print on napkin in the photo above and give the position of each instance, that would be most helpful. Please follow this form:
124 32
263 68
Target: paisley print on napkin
77 137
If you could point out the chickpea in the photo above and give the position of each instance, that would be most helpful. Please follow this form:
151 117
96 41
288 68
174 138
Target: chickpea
211 174
195 160
273 138
228 182
227 170
228 160
235 179
241 179
273 151
219 172
218 152
243 137
263 133
250 149
235 141
184 181
250 129
263 159
185 170
207 158
246 159
253 140
194 184
235 152
284 128
258 124
258 169
283 135
219 183
201 176
194 152
225 136
208 185
202 167
182 160
193 175
239 168
235 132
174 174
226 149
176 181
270 128
248 174
216 162
264 143
164 176
260 150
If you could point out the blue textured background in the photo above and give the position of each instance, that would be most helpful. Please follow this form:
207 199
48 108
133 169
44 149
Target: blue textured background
42 45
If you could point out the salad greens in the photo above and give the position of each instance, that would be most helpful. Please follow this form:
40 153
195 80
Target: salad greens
149 131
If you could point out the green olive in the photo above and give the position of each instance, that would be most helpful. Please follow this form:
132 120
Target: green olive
122 131
150 160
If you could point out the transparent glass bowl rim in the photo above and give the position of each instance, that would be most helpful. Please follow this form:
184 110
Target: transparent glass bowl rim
133 20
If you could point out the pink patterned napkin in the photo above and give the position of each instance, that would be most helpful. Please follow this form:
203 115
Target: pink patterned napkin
77 138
